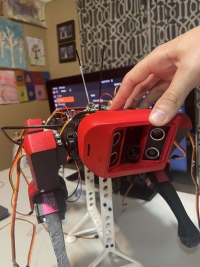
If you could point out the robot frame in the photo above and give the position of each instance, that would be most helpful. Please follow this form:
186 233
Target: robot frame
110 144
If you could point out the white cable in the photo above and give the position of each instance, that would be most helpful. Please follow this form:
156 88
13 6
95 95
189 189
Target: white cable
86 92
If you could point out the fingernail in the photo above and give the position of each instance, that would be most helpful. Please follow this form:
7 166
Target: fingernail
158 116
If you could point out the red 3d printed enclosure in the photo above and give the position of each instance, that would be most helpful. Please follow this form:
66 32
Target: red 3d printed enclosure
123 142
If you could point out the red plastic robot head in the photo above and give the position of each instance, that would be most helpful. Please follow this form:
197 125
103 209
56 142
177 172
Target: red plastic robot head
123 142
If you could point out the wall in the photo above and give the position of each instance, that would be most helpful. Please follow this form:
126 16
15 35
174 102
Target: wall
16 114
59 11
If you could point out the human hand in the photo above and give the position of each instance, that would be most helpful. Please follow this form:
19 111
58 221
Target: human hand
168 74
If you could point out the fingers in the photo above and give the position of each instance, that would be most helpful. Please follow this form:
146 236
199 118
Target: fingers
173 98
154 94
156 63
140 90
134 77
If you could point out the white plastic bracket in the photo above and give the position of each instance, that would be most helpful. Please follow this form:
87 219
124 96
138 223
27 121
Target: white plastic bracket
104 223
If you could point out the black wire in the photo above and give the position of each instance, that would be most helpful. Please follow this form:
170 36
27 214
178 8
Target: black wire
3 129
75 188
30 127
102 57
9 138
79 62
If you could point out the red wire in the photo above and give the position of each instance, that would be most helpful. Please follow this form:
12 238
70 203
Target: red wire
106 94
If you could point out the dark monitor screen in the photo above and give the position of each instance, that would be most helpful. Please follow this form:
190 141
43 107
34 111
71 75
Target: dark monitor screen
70 92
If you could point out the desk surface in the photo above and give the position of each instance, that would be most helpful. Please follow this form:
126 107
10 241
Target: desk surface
148 232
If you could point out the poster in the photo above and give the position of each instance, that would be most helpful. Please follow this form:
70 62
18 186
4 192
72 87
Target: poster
20 86
36 51
12 52
30 11
8 87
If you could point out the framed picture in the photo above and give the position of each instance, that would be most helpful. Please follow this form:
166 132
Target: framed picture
66 31
67 52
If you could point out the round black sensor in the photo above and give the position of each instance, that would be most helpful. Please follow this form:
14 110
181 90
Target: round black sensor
133 152
157 134
152 153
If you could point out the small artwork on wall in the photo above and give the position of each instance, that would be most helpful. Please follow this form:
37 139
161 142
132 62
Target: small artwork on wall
30 11
67 52
8 87
66 31
12 52
36 51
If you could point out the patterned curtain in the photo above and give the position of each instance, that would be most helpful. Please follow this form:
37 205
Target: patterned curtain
171 18
130 29
118 25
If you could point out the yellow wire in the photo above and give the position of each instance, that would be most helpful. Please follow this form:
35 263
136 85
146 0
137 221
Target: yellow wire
63 128
126 194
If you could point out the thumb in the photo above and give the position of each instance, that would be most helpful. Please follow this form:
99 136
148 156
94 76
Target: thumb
171 101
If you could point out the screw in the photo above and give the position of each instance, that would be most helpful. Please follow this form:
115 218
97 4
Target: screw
109 209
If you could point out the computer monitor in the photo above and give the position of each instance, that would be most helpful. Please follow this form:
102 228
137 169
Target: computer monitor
70 92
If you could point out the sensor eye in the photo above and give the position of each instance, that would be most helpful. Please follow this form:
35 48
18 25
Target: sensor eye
116 139
157 134
152 153
113 158
133 152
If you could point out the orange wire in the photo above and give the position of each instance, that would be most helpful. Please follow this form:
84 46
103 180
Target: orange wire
13 213
14 164
4 226
23 214
13 217
125 195
2 184
32 240
23 174
17 157
15 189
22 133
193 178
61 131
181 149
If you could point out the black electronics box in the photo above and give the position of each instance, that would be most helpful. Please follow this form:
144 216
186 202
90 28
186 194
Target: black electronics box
3 213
